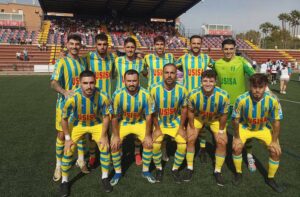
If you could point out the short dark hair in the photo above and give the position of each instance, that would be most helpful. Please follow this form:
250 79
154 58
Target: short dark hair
73 36
258 79
209 74
131 72
169 64
86 73
129 39
195 36
228 41
102 37
159 38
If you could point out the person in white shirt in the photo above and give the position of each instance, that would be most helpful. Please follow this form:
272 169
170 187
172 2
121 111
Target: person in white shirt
273 71
285 74
263 68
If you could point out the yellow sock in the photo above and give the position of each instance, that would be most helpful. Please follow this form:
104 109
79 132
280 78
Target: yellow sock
179 156
104 159
219 162
80 147
273 167
66 163
157 155
190 160
59 146
116 158
237 160
147 157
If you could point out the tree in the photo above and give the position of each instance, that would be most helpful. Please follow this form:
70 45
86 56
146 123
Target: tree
295 22
283 17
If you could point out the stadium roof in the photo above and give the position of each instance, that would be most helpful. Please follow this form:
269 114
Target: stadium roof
169 9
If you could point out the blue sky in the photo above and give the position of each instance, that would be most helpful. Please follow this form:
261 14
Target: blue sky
243 15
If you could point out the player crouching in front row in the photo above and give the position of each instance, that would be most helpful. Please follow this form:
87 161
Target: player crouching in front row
257 114
90 109
207 105
132 111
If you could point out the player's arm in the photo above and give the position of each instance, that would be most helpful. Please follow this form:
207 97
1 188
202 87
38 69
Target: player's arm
249 70
106 111
237 142
57 76
276 116
157 130
149 110
183 118
179 63
116 141
146 67
66 113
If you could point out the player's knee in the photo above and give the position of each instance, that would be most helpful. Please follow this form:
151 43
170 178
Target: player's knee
237 150
274 155
61 136
192 140
181 147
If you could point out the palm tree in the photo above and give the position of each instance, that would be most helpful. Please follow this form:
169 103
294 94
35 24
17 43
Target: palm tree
295 15
283 17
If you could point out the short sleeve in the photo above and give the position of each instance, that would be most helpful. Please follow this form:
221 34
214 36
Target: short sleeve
58 70
68 107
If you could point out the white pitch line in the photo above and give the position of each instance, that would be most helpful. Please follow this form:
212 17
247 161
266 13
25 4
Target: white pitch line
297 102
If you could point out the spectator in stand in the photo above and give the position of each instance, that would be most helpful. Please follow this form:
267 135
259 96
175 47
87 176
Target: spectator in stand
285 74
39 46
264 67
254 64
44 46
18 55
273 71
25 53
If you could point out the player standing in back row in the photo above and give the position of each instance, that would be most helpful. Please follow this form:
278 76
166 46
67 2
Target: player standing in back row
193 65
231 70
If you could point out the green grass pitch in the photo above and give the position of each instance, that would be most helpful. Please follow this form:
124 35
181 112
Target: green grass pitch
27 114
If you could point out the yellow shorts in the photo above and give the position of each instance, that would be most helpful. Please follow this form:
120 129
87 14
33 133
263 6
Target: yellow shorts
263 135
79 131
214 125
173 133
138 129
58 119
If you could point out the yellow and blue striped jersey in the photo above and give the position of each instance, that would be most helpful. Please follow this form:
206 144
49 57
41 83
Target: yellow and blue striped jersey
66 72
122 65
132 109
85 111
102 67
256 115
193 67
168 103
155 66
210 108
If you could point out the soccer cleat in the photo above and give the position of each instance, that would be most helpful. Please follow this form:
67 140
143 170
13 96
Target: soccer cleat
138 159
57 174
219 179
251 164
188 175
106 185
237 180
92 162
149 177
271 182
176 176
158 175
116 178
82 166
64 189
203 155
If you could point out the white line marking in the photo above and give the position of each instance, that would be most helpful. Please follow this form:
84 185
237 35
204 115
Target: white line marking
289 101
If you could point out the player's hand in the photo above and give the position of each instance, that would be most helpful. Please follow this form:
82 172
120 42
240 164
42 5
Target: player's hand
221 138
148 141
237 143
69 93
68 145
156 133
103 142
182 133
115 143
275 148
